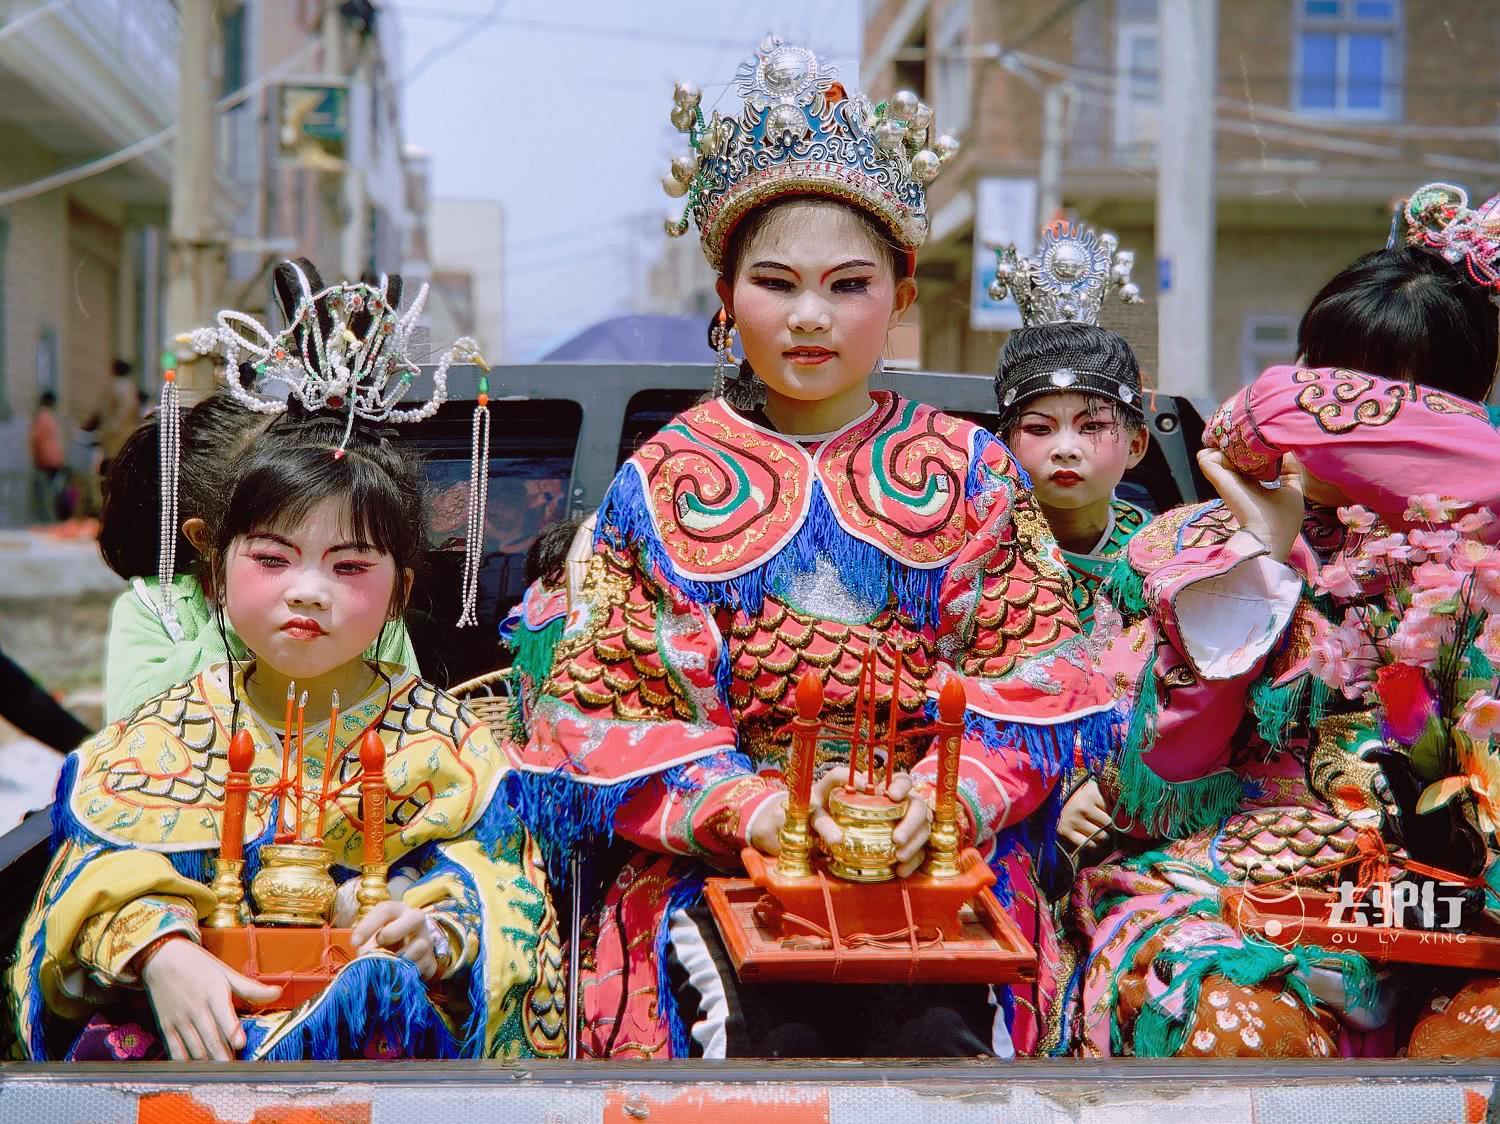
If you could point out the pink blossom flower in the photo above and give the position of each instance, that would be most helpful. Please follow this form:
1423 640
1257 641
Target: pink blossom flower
1393 548
1428 508
1419 638
1475 521
1344 657
1488 640
1469 555
1357 518
1481 716
1436 577
1434 544
1337 580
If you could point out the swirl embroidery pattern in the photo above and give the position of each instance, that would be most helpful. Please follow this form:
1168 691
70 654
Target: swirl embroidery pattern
896 480
725 497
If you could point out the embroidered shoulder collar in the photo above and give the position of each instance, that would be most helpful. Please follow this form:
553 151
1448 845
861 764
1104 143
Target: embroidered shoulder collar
156 780
725 495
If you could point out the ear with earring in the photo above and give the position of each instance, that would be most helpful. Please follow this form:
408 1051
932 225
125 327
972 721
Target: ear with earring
721 339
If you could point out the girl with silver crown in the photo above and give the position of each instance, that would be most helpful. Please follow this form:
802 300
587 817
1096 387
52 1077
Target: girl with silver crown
452 946
795 522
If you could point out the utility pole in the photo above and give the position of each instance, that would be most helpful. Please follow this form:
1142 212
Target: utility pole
351 188
1049 175
196 251
1188 34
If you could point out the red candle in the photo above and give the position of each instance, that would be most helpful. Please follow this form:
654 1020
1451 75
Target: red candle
236 796
803 761
372 790
890 732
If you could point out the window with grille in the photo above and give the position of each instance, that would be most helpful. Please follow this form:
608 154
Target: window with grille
1347 58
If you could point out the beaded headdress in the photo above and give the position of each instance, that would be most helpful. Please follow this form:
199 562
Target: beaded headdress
799 132
1437 217
1066 282
345 352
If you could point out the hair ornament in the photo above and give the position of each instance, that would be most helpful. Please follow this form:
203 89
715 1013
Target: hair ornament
1438 218
1066 281
799 132
346 350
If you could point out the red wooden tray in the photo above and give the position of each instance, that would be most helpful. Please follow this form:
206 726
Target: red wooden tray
1306 918
981 945
299 961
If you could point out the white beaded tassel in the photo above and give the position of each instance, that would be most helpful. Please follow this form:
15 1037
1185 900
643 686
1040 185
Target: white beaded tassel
479 488
169 452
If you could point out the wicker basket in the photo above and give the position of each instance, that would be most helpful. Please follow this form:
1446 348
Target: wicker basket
488 696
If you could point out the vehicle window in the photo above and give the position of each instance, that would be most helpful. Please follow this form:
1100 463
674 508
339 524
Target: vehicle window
647 412
532 444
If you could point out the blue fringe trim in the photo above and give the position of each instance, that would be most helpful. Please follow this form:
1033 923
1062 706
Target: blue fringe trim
684 895
565 816
568 818
1050 748
868 572
1007 843
64 825
498 824
35 1028
372 995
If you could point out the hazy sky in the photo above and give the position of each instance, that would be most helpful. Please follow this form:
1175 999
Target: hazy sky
559 110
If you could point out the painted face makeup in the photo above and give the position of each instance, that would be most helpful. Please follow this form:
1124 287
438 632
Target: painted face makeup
813 299
1075 447
308 600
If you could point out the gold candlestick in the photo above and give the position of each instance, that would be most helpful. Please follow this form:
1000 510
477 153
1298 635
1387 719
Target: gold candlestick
229 891
373 888
794 861
942 843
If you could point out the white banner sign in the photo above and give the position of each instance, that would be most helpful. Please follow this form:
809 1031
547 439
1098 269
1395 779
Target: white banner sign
1004 211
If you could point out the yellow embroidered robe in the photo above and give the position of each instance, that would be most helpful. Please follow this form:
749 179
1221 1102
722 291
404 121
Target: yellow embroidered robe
137 826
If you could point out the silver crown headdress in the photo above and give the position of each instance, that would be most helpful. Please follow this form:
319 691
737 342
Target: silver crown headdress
1066 283
1068 278
344 351
800 132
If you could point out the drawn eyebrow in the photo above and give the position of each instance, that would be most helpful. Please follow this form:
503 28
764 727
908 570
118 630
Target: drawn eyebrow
368 548
856 263
271 536
775 265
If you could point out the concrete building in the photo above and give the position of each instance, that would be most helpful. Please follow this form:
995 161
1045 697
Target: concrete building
468 273
83 262
1328 112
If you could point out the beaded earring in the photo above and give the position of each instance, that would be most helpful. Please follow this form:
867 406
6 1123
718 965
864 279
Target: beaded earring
169 452
479 489
721 339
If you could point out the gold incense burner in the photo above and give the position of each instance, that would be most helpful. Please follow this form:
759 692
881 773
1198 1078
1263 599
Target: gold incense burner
294 886
868 820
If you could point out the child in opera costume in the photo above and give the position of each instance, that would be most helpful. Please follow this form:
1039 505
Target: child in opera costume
311 560
813 521
156 641
1069 397
1235 758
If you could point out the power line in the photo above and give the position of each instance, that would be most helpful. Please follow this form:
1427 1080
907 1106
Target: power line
147 144
474 26
594 31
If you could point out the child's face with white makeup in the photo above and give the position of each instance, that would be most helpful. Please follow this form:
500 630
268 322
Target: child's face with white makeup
813 297
309 599
1076 448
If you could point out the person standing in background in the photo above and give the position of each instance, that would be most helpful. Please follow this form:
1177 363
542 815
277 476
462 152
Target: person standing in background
48 464
122 412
